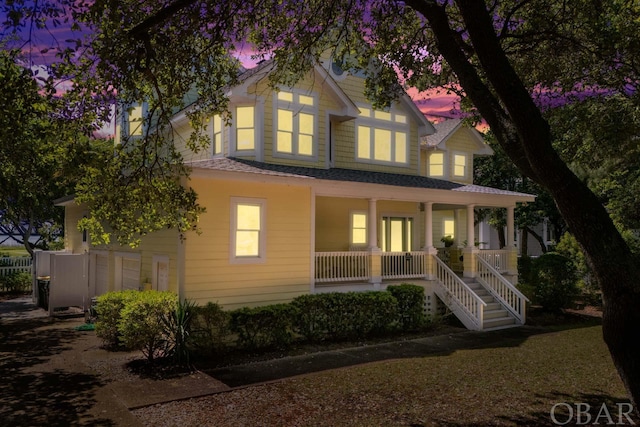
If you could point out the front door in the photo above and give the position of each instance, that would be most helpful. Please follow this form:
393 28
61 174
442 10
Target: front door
397 234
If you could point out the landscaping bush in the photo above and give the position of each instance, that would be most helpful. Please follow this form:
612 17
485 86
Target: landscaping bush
209 329
141 326
109 308
17 282
337 315
266 326
410 309
177 327
554 281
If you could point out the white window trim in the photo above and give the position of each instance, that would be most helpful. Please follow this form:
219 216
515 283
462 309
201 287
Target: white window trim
366 234
415 238
392 126
444 164
126 131
262 248
234 132
453 164
223 129
296 108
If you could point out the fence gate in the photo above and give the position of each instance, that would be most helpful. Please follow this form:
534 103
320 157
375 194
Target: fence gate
69 285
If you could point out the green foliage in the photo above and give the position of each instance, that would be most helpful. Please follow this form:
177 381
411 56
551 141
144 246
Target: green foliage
178 328
568 247
339 315
109 308
17 282
210 329
554 281
266 326
141 326
410 309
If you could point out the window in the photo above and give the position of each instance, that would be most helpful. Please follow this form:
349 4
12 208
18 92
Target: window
247 229
245 128
382 136
295 124
436 164
459 165
449 228
397 234
216 137
134 120
358 228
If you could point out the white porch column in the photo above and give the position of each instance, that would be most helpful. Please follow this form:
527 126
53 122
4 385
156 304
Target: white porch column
375 254
510 227
470 229
428 225
372 219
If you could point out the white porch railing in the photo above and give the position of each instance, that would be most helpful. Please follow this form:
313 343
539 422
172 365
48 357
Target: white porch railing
404 265
470 304
498 259
342 266
511 298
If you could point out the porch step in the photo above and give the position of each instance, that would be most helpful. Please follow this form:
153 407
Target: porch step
495 316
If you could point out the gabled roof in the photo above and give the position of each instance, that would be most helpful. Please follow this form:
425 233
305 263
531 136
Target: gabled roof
446 129
344 175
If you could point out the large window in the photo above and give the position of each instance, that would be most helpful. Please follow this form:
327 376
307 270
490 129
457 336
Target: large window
358 228
436 164
247 229
245 128
460 165
295 124
382 136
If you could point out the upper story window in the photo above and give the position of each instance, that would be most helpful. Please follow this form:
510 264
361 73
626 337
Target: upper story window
216 137
460 165
135 120
245 128
382 136
436 164
295 124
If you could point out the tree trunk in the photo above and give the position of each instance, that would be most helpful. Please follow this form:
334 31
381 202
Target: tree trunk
501 237
525 135
539 239
524 242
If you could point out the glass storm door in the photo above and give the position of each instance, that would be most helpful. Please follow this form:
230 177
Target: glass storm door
396 234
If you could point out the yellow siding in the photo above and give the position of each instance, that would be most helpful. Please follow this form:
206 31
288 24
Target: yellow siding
181 134
72 236
285 273
461 142
438 224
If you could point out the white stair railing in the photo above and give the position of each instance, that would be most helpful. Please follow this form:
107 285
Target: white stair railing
461 294
503 290
342 266
498 259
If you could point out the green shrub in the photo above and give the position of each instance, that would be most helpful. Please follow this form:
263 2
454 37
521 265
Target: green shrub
410 300
210 329
338 315
18 282
554 280
108 309
266 326
177 327
141 326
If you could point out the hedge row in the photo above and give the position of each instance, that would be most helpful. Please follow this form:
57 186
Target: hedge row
319 317
158 325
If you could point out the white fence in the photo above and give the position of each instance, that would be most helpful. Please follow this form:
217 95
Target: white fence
12 265
342 266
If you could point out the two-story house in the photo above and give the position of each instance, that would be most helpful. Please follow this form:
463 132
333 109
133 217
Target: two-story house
310 189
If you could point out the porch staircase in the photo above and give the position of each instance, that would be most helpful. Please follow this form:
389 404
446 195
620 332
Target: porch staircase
486 302
495 315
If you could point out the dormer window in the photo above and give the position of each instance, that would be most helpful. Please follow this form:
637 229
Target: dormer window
216 136
460 165
436 164
245 131
295 125
382 137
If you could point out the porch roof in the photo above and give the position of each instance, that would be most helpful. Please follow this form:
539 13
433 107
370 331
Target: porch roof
345 175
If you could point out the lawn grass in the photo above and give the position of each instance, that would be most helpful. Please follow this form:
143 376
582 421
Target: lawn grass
515 383
13 251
